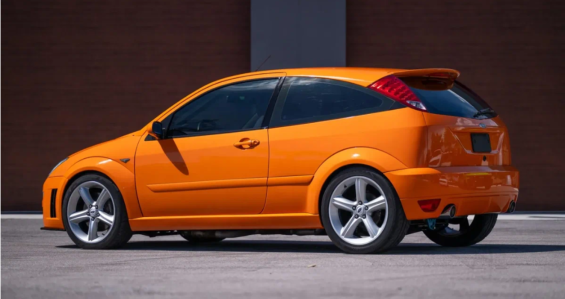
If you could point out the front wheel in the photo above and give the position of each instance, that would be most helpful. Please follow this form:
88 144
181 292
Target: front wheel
459 232
361 212
94 213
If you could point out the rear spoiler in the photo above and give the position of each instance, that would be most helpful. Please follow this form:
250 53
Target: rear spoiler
429 79
438 73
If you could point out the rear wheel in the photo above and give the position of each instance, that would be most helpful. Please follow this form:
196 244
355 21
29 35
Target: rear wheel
94 213
460 232
361 212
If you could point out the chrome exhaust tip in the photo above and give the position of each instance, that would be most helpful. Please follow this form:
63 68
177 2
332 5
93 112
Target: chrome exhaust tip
448 212
511 207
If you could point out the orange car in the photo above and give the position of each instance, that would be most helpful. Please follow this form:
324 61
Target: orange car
363 155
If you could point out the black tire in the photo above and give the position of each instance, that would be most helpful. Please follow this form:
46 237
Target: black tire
120 233
396 223
203 238
478 230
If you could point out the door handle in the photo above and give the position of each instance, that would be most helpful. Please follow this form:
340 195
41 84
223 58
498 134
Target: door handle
246 143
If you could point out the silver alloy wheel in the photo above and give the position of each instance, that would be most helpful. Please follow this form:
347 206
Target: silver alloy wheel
358 210
90 219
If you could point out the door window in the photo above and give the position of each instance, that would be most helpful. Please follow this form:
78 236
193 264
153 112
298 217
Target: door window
236 107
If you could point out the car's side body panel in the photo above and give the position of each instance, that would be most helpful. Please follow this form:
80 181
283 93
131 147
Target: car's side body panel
301 149
369 157
292 201
202 175
302 196
228 222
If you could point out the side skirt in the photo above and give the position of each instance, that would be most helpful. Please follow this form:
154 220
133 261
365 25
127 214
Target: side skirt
227 222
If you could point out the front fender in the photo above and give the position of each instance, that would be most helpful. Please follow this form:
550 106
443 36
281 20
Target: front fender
117 171
371 157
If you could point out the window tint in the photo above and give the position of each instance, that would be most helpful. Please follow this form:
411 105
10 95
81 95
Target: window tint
457 101
231 108
304 99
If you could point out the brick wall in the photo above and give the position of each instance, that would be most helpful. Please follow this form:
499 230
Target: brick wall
76 73
510 52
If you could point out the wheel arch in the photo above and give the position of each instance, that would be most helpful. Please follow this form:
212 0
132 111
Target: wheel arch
78 175
370 158
114 171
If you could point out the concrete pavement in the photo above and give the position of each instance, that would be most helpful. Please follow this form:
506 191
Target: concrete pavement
520 259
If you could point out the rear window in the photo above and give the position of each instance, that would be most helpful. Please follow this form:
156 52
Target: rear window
456 101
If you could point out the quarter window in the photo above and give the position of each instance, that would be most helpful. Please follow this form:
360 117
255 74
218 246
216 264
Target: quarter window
304 99
232 108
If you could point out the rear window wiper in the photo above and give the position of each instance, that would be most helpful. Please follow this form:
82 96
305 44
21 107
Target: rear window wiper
485 111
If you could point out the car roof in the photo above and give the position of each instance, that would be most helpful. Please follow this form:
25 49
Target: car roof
356 75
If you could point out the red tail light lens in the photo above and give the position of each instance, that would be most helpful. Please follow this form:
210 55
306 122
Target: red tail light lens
429 205
397 90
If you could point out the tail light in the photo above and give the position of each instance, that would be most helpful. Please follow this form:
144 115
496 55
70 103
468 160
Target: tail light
397 90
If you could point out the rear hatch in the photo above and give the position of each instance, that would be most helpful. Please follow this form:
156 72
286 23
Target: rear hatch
463 130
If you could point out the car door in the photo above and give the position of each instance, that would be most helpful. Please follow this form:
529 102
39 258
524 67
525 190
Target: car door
213 159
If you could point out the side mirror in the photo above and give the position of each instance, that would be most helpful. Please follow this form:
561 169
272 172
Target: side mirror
157 129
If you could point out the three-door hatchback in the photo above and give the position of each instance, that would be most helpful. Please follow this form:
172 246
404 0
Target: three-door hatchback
365 156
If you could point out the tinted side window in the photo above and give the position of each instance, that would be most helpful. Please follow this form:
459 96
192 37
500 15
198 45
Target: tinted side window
303 100
232 108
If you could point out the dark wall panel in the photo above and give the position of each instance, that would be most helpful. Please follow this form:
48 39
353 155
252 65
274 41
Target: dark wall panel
297 33
511 52
76 73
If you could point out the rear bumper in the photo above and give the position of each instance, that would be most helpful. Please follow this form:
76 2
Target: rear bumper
472 189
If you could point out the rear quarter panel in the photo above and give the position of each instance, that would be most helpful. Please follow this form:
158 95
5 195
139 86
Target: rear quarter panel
301 149
386 141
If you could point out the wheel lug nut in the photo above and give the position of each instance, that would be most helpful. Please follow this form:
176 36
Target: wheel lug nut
363 216
354 208
366 208
360 203
356 216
